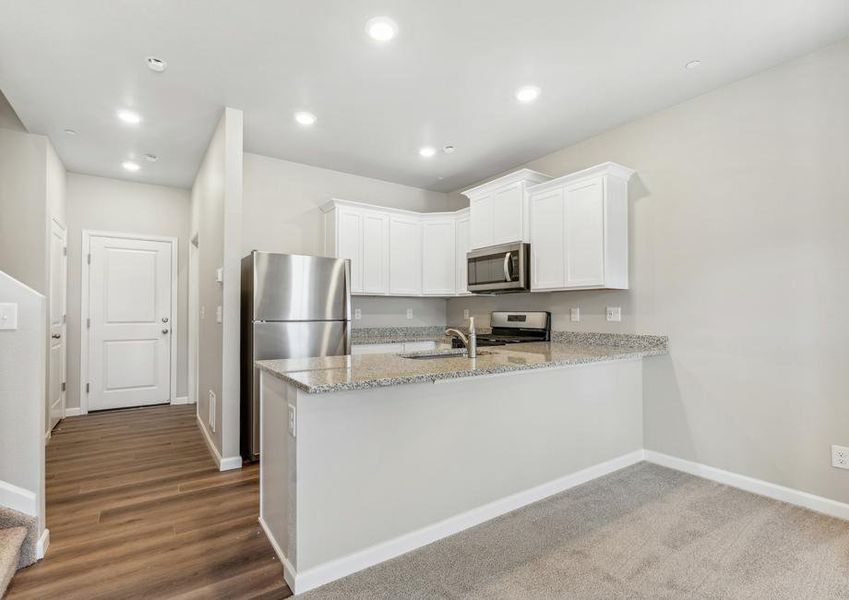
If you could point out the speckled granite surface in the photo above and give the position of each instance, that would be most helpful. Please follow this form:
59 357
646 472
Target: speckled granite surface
339 373
398 335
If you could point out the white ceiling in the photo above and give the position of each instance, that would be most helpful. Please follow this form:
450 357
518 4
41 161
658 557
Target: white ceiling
448 78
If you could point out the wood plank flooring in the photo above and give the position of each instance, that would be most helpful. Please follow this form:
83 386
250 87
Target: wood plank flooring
137 509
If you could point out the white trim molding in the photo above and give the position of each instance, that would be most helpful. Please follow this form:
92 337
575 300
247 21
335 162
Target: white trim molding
181 400
18 498
819 504
42 544
346 565
73 412
85 271
225 463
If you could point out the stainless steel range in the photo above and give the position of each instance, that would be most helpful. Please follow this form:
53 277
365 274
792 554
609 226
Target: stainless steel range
514 328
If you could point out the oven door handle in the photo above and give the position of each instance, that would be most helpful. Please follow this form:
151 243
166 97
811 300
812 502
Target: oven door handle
508 277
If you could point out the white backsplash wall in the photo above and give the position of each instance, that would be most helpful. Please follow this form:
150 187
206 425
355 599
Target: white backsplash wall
592 305
382 311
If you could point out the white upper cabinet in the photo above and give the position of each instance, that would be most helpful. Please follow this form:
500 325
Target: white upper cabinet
579 230
349 244
462 248
499 209
438 256
375 253
405 255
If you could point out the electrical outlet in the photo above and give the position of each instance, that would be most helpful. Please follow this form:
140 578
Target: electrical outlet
409 313
219 314
219 275
465 314
840 457
574 314
202 311
614 313
358 314
292 421
212 410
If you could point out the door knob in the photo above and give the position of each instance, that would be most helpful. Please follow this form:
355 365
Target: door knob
164 331
56 336
164 319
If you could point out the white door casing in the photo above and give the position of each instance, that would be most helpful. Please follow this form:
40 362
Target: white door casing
58 306
129 321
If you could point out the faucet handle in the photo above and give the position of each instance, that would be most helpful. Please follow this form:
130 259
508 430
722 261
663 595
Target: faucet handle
471 324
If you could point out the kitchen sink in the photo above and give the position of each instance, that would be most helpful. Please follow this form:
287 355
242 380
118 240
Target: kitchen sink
455 353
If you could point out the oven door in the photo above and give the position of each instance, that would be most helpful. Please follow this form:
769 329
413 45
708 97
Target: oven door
502 268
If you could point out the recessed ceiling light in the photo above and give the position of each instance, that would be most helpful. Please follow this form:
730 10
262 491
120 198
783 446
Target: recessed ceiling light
427 151
693 64
151 157
70 132
305 118
156 64
448 149
527 93
128 116
130 166
382 29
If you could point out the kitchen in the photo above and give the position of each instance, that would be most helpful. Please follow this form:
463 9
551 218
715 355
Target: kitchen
558 319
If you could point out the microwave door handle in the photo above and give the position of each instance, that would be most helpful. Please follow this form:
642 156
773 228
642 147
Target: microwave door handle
507 276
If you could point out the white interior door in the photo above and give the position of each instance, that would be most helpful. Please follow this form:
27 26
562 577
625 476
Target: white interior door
130 328
58 307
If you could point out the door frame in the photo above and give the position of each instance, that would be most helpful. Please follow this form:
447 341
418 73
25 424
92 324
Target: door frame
56 222
85 269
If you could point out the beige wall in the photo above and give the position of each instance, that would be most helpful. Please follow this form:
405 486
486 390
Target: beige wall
8 117
739 250
216 211
104 204
281 214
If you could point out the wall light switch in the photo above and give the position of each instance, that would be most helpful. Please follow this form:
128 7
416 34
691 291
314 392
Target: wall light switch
358 314
575 314
409 313
219 274
614 313
465 314
8 315
219 314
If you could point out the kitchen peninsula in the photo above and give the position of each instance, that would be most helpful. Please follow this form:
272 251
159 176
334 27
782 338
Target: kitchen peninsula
375 463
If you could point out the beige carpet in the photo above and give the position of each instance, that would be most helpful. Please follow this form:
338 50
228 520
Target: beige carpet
643 532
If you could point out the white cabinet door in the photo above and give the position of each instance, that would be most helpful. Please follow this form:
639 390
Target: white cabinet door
584 229
438 257
376 348
405 256
375 257
349 244
419 346
508 213
480 212
462 248
547 243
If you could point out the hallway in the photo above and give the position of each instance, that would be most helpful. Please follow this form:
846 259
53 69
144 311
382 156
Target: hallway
137 509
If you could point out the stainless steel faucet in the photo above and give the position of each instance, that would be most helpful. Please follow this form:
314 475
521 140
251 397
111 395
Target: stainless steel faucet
470 341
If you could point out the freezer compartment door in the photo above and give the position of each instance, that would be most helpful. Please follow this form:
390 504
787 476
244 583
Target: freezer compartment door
289 287
287 340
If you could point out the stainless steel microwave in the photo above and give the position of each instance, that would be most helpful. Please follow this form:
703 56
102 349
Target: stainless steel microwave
500 269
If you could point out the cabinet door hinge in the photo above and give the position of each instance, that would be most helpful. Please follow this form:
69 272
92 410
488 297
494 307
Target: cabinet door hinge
88 259
88 323
65 251
87 387
63 386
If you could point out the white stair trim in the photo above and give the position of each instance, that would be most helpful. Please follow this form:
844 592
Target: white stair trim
819 504
42 544
19 499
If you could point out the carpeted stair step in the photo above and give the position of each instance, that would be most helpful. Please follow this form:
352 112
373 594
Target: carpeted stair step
11 540
12 518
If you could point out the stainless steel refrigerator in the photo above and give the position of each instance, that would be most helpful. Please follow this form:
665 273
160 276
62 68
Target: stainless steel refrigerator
292 307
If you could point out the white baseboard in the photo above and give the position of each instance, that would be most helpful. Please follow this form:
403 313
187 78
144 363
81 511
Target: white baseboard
225 463
288 570
73 412
18 498
335 569
180 400
812 502
43 543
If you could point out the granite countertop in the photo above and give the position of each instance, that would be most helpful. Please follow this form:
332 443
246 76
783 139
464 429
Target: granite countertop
341 373
399 335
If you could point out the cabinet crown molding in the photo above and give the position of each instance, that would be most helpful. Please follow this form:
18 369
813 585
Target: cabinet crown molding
337 202
607 168
528 175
